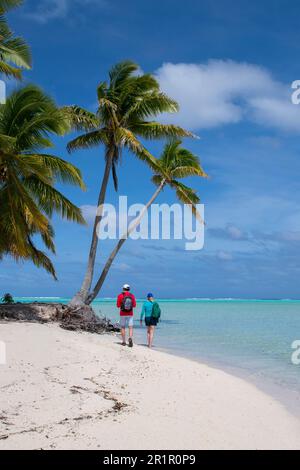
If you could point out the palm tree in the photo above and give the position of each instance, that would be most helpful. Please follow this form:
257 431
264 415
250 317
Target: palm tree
14 52
175 162
28 197
125 107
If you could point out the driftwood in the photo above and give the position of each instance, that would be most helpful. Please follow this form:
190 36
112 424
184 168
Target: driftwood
69 318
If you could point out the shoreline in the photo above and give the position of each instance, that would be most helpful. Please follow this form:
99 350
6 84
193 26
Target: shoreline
285 394
89 392
289 398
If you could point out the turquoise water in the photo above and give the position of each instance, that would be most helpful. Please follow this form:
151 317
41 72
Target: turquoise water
249 338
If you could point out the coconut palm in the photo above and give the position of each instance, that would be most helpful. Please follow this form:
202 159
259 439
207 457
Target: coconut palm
28 197
175 162
126 107
14 52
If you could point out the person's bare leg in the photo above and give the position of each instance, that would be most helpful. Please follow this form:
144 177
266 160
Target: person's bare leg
148 335
151 335
123 333
131 332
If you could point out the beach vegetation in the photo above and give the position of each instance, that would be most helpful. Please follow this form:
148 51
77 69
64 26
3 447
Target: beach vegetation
7 299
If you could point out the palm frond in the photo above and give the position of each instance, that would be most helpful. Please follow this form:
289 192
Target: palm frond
6 5
178 162
7 143
25 203
188 170
31 116
150 105
188 196
156 130
107 111
120 72
10 71
185 194
187 164
85 141
51 200
60 169
15 50
40 259
102 90
80 119
126 138
141 85
48 237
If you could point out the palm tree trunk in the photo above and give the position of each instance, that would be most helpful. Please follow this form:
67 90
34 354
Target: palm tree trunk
80 298
119 245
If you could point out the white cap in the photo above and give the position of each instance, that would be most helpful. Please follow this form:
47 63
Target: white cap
126 287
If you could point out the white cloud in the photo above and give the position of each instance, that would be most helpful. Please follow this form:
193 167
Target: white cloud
224 92
122 267
235 233
48 10
89 213
278 112
112 214
224 255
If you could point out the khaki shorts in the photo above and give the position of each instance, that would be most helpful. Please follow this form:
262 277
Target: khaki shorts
126 321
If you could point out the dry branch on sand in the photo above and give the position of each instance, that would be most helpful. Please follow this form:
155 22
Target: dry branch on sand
83 318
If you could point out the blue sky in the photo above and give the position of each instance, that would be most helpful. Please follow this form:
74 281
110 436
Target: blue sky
230 65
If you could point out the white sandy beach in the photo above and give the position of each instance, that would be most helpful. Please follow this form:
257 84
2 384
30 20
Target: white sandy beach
66 390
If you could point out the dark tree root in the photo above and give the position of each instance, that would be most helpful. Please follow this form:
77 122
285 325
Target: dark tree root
70 318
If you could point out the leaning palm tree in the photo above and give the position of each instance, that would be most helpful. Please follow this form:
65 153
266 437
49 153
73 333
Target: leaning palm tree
175 162
14 53
28 197
126 107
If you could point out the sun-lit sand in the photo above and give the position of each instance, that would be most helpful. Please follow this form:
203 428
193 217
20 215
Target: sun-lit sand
65 390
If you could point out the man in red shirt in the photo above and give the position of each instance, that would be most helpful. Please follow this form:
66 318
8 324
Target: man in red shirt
126 303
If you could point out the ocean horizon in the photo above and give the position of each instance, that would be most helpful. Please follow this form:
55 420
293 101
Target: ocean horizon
250 338
162 299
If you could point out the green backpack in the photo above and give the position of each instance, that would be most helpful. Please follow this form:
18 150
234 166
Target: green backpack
156 312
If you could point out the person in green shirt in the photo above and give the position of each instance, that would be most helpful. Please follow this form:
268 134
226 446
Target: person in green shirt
151 311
